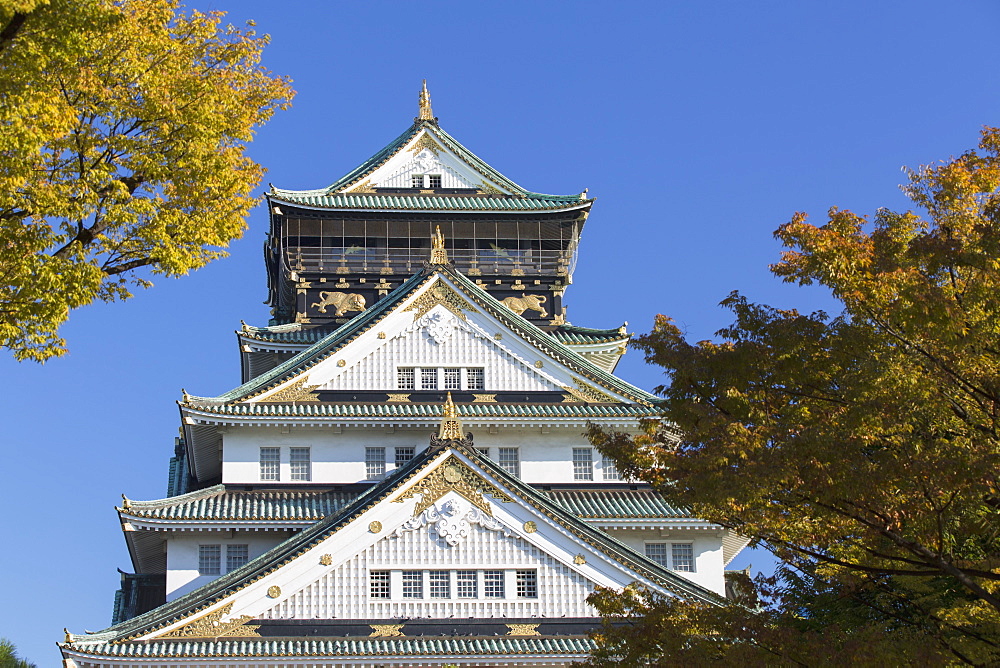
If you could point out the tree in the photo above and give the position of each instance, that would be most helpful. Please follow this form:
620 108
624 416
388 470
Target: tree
863 449
9 657
124 124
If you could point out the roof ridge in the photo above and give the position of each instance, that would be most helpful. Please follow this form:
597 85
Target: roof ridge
205 493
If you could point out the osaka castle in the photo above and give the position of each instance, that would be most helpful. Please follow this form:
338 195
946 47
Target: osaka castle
402 478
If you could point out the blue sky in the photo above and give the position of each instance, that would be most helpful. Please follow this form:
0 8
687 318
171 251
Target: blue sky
699 126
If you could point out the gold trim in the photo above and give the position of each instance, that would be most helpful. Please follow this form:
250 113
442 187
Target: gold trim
297 391
452 475
539 364
341 363
489 189
325 560
398 398
439 294
375 527
212 626
438 253
451 426
530 527
426 141
363 187
273 592
386 630
580 560
523 630
484 398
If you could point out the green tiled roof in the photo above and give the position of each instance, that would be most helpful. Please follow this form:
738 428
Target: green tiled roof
417 202
326 346
293 333
341 647
570 335
218 503
401 410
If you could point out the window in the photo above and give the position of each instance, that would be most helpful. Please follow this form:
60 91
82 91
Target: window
527 584
493 584
417 181
413 584
657 552
485 452
474 379
608 469
583 464
465 584
453 379
404 455
374 463
440 584
428 379
508 460
379 585
406 378
209 559
270 463
682 556
299 458
433 180
236 556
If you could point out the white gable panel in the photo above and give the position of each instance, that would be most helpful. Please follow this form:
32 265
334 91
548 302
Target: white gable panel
425 162
440 339
343 592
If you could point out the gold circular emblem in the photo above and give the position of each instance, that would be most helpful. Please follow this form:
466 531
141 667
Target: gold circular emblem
274 592
539 364
530 527
579 559
341 363
452 474
375 526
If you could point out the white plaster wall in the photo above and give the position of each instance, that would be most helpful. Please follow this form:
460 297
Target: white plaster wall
338 455
182 555
707 547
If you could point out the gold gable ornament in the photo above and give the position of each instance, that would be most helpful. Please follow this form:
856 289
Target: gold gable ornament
438 253
451 425
212 626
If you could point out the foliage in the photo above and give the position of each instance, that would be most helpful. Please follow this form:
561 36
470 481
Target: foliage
9 657
124 124
863 448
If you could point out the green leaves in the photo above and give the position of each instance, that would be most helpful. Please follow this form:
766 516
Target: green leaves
124 127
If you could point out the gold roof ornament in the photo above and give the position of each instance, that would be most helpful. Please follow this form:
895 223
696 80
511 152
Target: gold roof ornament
426 113
438 254
451 426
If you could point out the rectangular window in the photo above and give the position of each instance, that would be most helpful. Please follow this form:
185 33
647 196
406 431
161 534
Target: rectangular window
583 464
657 552
417 181
474 379
485 452
299 458
406 378
270 463
433 180
493 584
440 584
609 469
428 379
209 559
374 463
379 585
509 461
453 379
682 556
404 454
527 584
465 584
413 584
236 556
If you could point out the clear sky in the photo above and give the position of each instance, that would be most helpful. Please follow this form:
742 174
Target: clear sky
699 126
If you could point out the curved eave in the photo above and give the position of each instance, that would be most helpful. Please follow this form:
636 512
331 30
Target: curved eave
426 203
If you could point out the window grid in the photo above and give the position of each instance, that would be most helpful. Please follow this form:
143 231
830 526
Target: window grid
300 464
404 454
434 181
453 379
485 452
236 556
583 464
657 552
209 559
608 469
374 463
440 584
465 584
417 181
527 584
509 461
270 463
406 378
474 379
379 584
413 584
428 379
493 584
682 556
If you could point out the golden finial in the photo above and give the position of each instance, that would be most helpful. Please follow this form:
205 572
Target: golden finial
69 636
126 504
426 114
438 254
451 426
